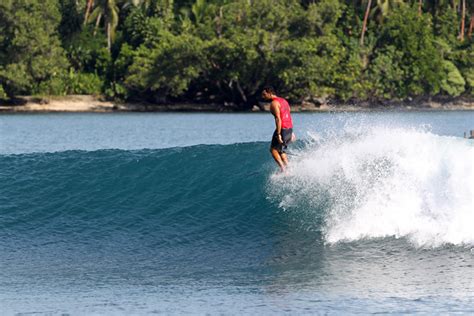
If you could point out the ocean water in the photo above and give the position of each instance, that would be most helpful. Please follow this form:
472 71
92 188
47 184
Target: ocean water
123 214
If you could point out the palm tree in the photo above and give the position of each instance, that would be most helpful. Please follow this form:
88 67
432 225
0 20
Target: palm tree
145 4
89 5
383 8
436 7
109 10
463 17
471 25
364 24
199 10
159 8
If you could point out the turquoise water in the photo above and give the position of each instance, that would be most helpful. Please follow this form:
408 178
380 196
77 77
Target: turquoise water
185 213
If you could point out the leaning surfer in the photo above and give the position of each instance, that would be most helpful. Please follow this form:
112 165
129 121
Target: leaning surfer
283 134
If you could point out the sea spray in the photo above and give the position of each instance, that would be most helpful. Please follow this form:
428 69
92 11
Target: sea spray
375 182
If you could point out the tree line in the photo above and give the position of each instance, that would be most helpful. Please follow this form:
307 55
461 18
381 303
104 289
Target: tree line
226 51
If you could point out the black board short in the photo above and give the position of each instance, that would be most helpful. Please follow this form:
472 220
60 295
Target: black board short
286 134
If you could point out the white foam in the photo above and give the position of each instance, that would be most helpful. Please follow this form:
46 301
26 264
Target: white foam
383 181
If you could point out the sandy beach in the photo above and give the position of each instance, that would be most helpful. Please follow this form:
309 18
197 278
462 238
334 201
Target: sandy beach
97 104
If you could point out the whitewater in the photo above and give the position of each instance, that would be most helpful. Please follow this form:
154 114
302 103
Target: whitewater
375 182
103 215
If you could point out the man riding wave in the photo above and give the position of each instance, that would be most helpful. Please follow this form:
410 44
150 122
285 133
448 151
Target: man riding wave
283 134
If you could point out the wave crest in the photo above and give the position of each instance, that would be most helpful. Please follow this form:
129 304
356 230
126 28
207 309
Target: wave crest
384 182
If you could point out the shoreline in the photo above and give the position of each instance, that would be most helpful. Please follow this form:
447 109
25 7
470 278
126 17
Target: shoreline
94 104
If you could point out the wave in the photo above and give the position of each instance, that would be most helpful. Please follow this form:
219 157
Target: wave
174 194
376 182
370 183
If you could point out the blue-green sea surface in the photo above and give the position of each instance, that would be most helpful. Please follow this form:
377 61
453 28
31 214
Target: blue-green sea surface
186 213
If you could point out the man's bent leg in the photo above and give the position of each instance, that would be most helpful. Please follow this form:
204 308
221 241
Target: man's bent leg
278 158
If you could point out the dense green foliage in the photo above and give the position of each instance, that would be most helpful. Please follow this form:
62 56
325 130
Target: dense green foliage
226 51
31 57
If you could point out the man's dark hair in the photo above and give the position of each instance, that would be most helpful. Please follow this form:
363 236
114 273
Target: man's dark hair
269 89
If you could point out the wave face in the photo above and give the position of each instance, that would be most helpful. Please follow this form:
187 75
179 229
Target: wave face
194 202
369 183
384 182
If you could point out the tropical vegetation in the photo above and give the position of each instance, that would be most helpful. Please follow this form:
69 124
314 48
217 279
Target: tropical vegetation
226 51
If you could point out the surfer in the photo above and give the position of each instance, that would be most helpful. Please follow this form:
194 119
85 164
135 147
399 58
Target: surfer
283 134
